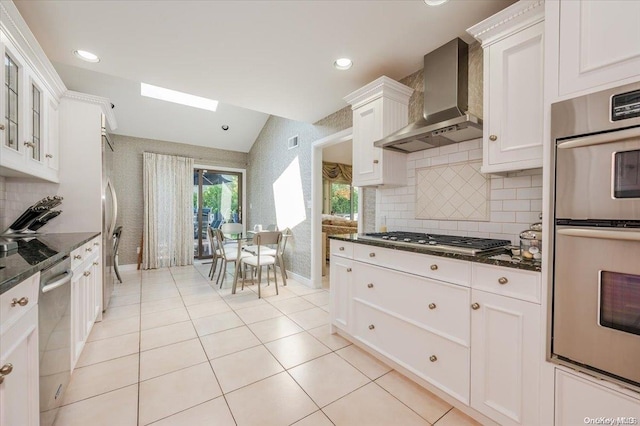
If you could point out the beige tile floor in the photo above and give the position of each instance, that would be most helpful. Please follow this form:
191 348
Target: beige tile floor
175 350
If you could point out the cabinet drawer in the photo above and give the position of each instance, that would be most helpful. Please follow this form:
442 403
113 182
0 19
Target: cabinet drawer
341 248
440 307
29 289
440 268
443 363
523 285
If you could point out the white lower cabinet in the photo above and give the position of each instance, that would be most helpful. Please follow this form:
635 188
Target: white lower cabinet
86 294
582 401
476 336
19 360
505 358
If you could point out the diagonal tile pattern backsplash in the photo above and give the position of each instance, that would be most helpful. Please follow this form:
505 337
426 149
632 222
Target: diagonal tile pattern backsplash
453 192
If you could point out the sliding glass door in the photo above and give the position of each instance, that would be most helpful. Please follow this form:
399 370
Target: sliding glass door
217 199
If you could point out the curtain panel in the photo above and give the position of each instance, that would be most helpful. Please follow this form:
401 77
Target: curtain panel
168 216
336 172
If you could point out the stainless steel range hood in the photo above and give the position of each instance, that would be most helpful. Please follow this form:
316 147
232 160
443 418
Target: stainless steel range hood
446 119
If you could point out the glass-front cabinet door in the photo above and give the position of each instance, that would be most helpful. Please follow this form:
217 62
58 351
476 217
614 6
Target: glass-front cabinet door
11 114
33 142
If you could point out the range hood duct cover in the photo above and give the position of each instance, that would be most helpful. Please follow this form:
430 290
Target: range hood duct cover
445 118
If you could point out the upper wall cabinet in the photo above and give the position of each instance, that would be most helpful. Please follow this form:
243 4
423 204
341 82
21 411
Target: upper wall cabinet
29 98
598 43
513 87
379 108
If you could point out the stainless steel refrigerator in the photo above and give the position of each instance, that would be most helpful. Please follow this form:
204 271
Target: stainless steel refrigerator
109 217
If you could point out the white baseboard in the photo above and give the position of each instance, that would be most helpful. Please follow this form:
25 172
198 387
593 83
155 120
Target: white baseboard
130 267
299 278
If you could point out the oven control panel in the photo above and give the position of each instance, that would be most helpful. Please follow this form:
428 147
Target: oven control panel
625 105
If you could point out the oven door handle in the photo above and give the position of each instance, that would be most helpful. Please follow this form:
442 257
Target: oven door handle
601 234
52 285
600 138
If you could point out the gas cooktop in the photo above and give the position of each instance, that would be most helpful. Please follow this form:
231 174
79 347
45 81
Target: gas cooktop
445 243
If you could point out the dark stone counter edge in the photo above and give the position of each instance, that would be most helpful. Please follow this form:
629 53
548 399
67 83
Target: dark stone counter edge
8 283
481 258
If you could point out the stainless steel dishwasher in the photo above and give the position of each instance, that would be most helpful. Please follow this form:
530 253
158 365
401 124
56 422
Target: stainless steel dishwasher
54 328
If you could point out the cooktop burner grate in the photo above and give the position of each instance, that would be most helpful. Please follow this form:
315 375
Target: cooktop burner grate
454 243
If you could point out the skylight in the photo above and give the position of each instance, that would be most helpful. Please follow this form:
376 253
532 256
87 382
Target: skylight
169 95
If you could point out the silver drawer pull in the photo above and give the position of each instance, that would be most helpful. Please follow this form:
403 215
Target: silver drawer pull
23 301
432 305
475 306
372 255
6 369
503 280
370 285
433 358
77 256
86 273
48 155
96 244
434 267
88 249
376 161
96 263
1 126
341 249
371 326
493 138
29 144
348 269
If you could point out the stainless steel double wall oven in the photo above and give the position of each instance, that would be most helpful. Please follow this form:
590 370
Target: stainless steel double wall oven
596 276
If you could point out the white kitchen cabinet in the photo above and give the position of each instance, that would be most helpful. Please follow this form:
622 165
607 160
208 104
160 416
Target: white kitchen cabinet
512 41
578 397
28 120
598 43
505 358
341 274
86 293
19 358
379 108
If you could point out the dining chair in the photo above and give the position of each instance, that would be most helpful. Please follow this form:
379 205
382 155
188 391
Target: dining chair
216 250
272 227
230 253
260 259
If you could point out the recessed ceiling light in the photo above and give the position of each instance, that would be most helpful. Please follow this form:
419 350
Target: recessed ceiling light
343 63
435 2
177 97
86 56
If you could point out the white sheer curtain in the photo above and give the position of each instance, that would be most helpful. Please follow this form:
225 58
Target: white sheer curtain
168 217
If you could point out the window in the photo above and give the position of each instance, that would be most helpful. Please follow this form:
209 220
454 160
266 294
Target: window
344 200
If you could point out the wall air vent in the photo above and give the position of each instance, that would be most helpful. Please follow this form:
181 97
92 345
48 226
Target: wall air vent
293 142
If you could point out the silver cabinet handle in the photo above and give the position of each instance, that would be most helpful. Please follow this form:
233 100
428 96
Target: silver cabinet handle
371 326
29 144
5 370
1 126
96 243
375 161
77 256
88 249
599 139
493 138
432 305
96 263
23 301
475 306
503 280
433 358
370 285
348 269
372 255
602 234
86 273
434 267
48 155
341 249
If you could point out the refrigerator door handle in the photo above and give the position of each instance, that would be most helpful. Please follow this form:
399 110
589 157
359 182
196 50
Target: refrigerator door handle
114 209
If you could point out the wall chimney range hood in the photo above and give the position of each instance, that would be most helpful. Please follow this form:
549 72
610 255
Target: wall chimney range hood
446 119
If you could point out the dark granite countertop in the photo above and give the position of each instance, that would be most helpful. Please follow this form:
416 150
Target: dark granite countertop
37 253
501 257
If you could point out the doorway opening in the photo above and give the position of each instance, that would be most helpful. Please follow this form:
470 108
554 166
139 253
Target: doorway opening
217 199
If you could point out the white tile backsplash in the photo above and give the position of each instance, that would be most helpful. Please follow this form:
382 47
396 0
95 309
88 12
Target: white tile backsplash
17 194
515 199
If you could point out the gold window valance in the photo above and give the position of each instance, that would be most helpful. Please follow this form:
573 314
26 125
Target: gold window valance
336 172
